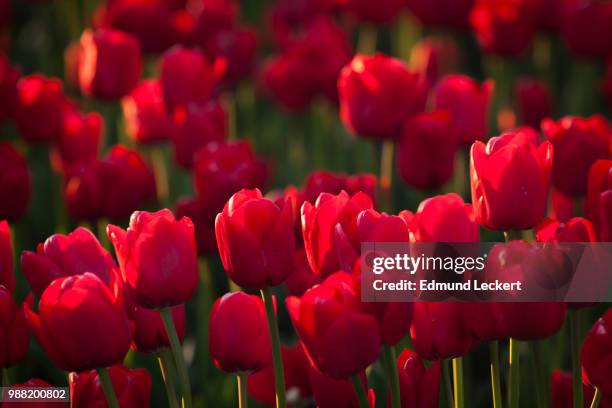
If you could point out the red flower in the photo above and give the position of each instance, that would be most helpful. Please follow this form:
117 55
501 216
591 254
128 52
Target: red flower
442 330
75 316
302 277
453 13
255 240
444 218
145 114
468 103
576 229
186 77
8 84
505 27
333 393
510 177
66 255
377 93
80 139
562 393
578 143
534 101
100 75
7 279
14 334
340 339
322 181
157 256
132 388
419 386
235 317
195 126
426 150
585 26
379 12
599 198
319 223
434 57
15 183
596 354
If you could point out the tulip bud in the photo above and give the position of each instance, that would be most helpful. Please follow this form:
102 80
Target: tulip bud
157 257
195 126
468 102
7 279
345 340
132 388
448 13
419 386
15 181
578 143
426 150
255 240
377 93
80 138
584 27
319 223
100 75
234 317
145 114
333 393
14 334
445 218
599 198
576 229
379 12
8 85
596 353
186 77
75 316
534 101
510 178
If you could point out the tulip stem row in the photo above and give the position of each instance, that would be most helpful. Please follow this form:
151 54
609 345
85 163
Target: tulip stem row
575 349
107 387
448 387
279 375
596 398
458 382
495 374
165 365
241 379
362 398
392 375
513 375
540 384
175 346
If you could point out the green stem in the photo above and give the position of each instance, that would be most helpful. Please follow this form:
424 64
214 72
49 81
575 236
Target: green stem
513 235
107 386
458 382
164 365
540 376
243 401
361 394
513 375
575 349
596 398
175 346
279 375
366 44
5 377
495 381
392 375
448 388
386 174
158 161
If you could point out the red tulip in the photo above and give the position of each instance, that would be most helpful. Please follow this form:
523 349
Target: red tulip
319 223
14 334
340 339
599 198
584 27
468 103
8 84
576 229
75 316
434 57
40 106
510 178
419 386
157 257
302 277
145 114
377 93
505 27
66 255
426 150
578 143
33 382
235 317
379 12
333 393
132 388
195 126
297 378
322 181
7 279
596 354
100 75
15 181
442 330
562 206
255 240
534 101
186 77
215 15
454 13
445 218
562 392
80 139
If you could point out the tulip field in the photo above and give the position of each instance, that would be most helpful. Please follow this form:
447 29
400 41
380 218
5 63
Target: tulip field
186 186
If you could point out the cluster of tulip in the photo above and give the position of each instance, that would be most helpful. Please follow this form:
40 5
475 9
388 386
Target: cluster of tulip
171 84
